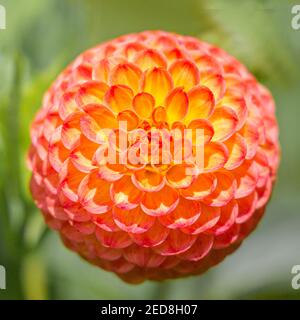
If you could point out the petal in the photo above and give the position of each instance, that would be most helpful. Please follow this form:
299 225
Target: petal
176 105
101 70
215 82
152 237
105 221
176 242
238 105
199 249
215 156
130 118
149 59
159 115
185 214
57 152
251 135
228 216
207 63
224 191
201 104
147 180
158 83
70 133
201 127
96 118
94 195
237 148
246 177
208 218
224 122
82 155
143 104
143 257
119 98
126 74
132 221
247 206
185 74
67 104
70 178
227 238
201 187
160 202
125 194
180 175
91 92
117 240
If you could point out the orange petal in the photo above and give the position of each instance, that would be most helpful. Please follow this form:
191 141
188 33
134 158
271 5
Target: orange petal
143 104
126 74
105 221
130 118
207 63
238 105
180 175
185 214
70 178
101 70
143 257
201 187
176 242
132 221
102 115
70 133
215 82
83 154
204 128
67 104
160 202
57 152
152 237
224 191
96 118
158 83
176 105
125 194
148 180
117 240
185 74
227 238
247 206
247 177
224 122
208 218
201 103
149 59
159 115
199 249
251 135
215 156
237 148
131 50
119 98
94 195
229 213
91 92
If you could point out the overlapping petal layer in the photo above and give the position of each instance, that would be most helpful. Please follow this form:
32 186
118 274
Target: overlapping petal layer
144 219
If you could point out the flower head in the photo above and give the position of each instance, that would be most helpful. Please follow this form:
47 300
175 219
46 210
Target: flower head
105 180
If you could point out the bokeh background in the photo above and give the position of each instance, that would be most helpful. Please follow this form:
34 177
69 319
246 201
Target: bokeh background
41 38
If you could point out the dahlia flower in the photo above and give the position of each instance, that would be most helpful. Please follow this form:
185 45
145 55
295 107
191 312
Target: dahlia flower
139 218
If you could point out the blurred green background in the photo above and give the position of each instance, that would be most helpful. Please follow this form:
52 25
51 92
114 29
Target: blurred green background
44 36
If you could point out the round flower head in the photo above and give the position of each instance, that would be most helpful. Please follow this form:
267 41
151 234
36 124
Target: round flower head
153 155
